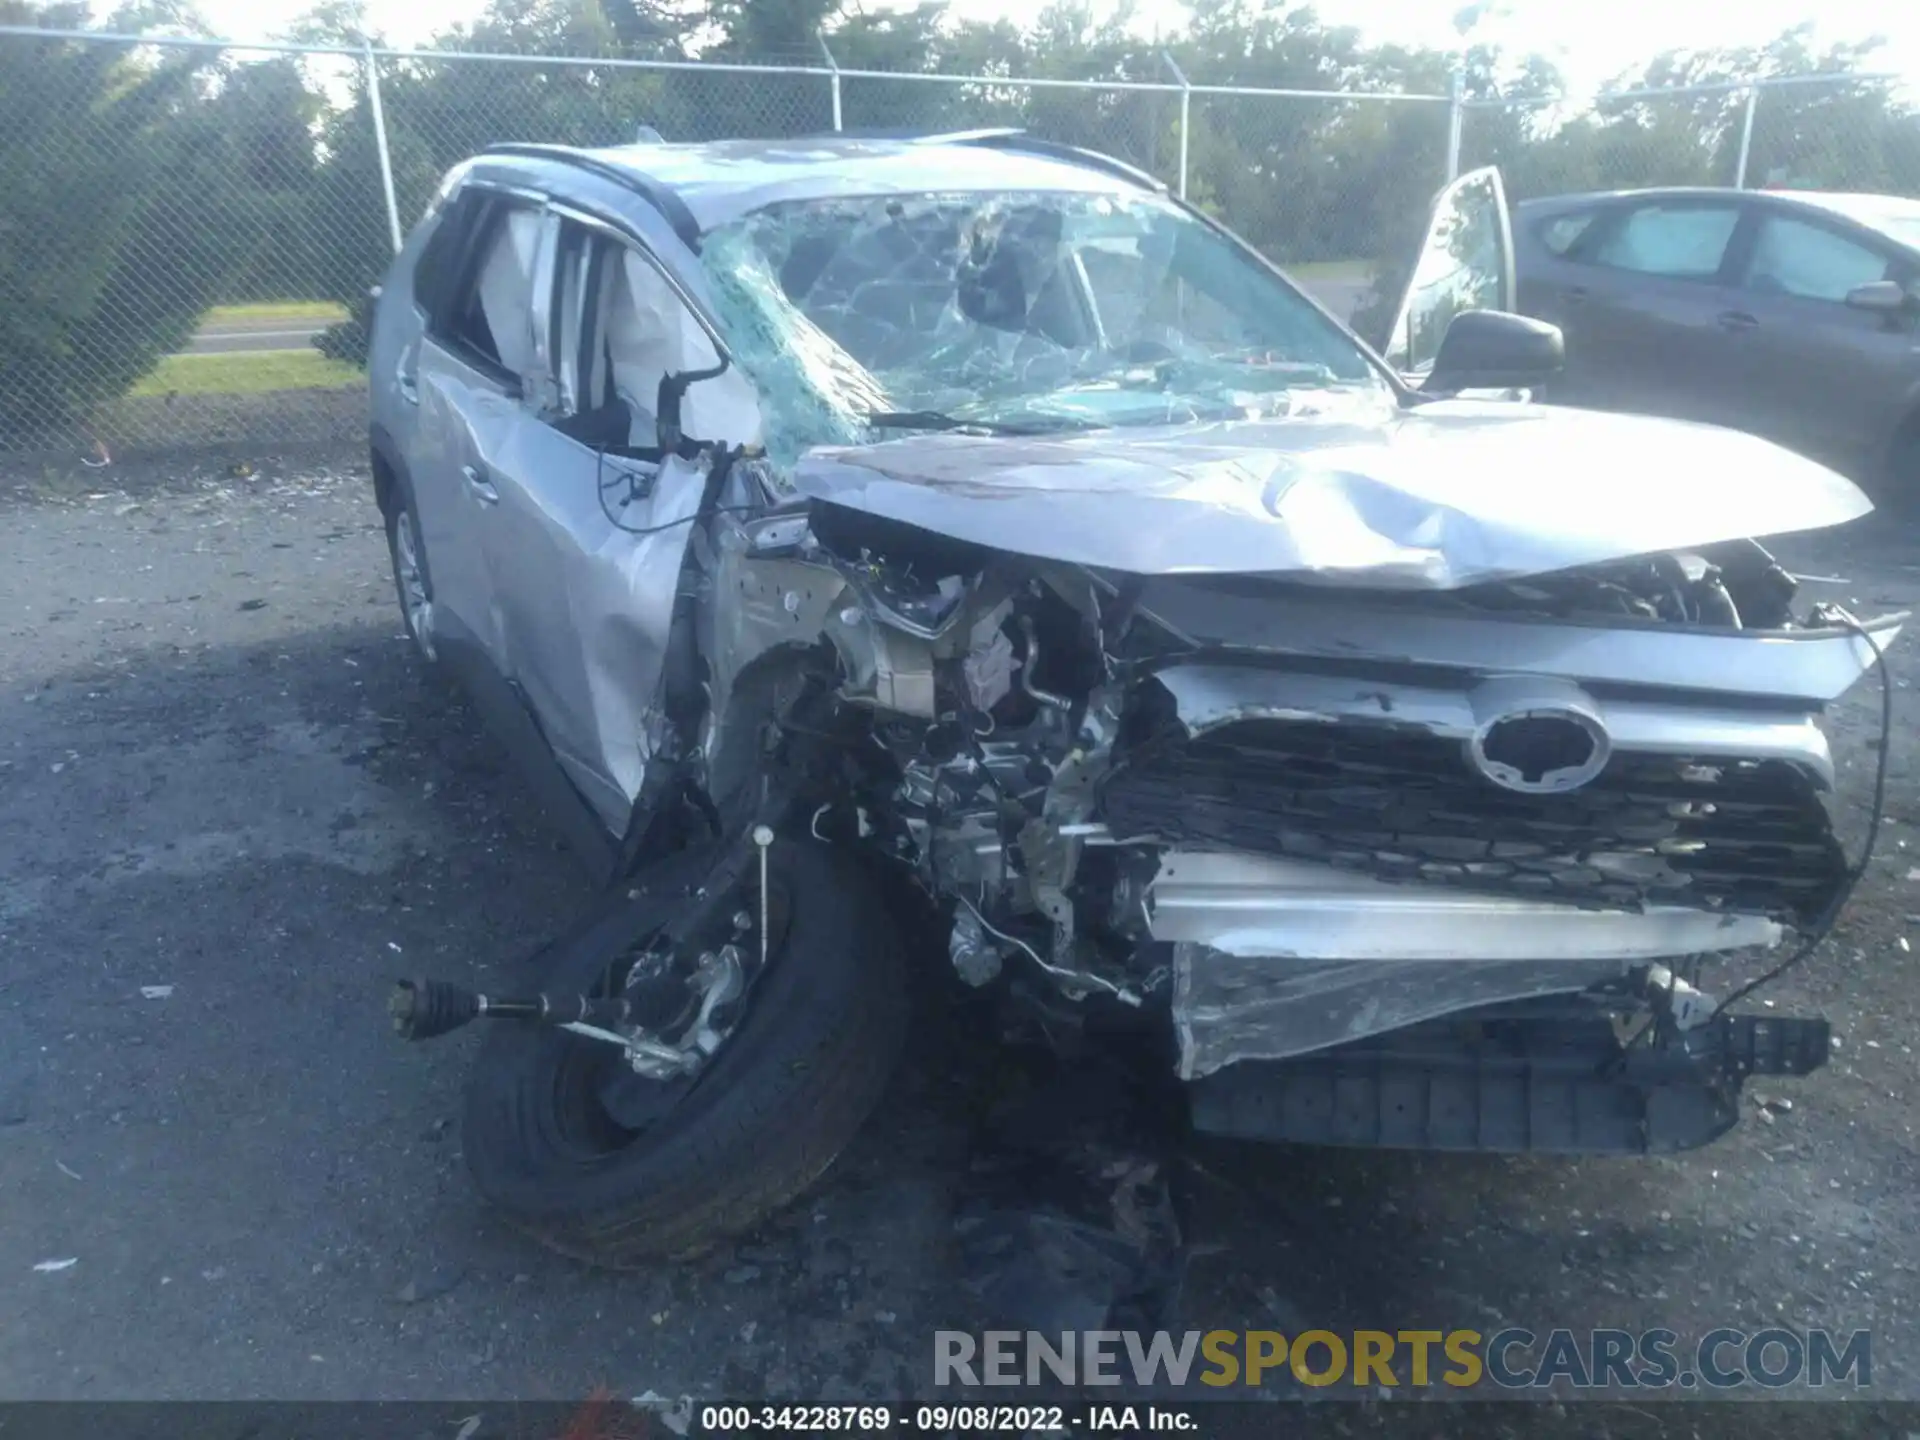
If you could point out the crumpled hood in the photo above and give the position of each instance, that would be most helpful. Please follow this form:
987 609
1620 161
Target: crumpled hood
1449 494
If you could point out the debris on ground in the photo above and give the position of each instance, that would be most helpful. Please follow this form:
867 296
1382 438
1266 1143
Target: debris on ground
675 1415
48 1267
431 1285
156 992
1069 1224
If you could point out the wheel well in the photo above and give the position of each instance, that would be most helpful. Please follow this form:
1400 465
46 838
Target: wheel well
760 691
1908 431
386 479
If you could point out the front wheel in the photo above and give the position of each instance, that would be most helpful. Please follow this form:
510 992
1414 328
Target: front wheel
616 1169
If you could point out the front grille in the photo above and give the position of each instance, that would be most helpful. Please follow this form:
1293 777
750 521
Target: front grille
1752 838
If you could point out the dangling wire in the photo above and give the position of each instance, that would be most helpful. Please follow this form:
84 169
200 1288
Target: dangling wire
1823 924
634 492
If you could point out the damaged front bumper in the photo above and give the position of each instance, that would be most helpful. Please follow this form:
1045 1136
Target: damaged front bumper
1275 959
1372 944
1325 823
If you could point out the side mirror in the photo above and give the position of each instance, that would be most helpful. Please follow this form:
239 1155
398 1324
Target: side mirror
1883 297
1495 350
666 411
667 404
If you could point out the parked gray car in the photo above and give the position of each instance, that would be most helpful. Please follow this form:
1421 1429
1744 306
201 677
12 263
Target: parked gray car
1791 314
959 552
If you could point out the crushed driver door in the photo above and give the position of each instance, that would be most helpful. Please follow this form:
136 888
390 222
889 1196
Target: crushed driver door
593 520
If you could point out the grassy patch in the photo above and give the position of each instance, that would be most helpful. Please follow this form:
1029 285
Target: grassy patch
323 312
249 373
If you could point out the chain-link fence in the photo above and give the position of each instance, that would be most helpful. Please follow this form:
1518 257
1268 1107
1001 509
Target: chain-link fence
1824 132
191 227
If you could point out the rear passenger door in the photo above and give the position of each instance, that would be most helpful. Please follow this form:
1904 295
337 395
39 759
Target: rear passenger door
1815 372
469 378
1640 304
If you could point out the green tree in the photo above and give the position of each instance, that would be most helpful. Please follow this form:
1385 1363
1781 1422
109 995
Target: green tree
263 118
118 227
1305 179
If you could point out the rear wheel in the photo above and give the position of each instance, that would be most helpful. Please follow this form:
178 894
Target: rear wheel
412 580
614 1168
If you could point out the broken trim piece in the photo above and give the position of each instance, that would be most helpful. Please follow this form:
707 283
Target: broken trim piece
1244 905
1231 1009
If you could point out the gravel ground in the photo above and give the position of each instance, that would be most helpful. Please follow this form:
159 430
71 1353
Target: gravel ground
232 809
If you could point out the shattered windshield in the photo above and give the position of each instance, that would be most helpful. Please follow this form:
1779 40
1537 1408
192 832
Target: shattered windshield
1024 312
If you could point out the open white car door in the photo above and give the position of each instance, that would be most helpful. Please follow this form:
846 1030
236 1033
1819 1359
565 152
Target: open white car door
1464 263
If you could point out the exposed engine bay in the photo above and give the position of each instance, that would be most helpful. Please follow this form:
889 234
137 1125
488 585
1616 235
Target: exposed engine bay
1247 801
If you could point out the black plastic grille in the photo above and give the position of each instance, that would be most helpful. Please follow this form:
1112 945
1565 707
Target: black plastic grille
1749 837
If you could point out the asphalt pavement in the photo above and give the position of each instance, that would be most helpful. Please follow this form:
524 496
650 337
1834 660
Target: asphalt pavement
227 337
233 808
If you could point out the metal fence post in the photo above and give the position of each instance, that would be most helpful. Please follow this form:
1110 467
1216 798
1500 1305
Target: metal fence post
1456 113
1186 116
1746 137
380 144
833 79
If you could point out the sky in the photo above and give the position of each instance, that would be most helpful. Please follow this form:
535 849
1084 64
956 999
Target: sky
1591 41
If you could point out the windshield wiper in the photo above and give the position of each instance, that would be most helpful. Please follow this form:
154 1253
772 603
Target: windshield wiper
939 420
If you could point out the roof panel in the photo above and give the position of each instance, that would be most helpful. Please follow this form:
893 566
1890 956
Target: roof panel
722 180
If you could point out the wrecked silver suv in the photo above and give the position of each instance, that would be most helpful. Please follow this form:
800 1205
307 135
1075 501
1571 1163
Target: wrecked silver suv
847 532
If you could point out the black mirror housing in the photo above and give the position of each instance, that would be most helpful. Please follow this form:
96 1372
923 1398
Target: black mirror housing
1495 350
1464 263
667 404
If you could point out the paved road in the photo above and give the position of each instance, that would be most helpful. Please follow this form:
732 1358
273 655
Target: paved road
222 772
1342 297
226 337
